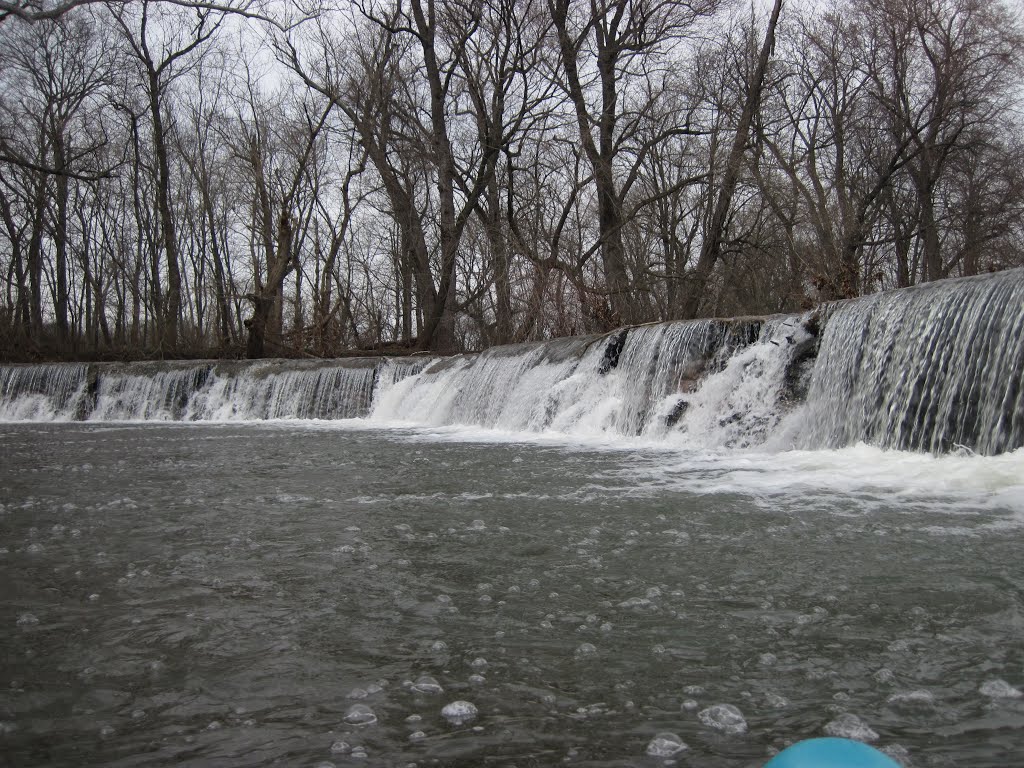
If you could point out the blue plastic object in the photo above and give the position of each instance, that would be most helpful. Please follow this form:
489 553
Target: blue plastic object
831 753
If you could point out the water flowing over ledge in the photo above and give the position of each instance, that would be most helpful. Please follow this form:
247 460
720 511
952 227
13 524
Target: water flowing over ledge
936 368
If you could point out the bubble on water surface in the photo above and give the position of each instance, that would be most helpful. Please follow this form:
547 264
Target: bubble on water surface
479 663
690 705
694 690
427 684
360 714
635 602
357 693
439 646
417 736
27 620
107 731
775 701
899 753
726 718
885 676
999 689
665 745
849 726
912 700
767 659
341 747
459 712
477 679
585 651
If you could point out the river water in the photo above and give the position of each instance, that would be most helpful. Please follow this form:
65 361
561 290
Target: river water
242 594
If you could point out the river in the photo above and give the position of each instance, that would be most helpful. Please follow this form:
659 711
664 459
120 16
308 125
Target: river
246 594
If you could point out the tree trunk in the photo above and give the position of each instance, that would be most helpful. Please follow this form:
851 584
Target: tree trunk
168 340
712 247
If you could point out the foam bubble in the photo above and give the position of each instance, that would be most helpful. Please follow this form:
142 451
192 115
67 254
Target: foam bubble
999 689
360 714
911 700
585 651
849 726
459 712
665 745
726 718
427 684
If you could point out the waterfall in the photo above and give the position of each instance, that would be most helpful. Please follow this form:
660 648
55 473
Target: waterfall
192 391
937 368
656 381
146 392
284 390
54 392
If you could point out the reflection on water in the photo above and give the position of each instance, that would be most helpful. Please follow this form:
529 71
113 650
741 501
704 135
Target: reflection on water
279 594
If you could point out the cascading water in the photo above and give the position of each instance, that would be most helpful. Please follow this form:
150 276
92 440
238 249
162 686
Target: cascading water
936 368
275 391
146 392
196 391
54 392
635 382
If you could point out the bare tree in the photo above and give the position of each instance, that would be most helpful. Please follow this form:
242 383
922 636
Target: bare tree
162 45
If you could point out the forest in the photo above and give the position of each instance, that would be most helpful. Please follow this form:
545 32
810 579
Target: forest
308 179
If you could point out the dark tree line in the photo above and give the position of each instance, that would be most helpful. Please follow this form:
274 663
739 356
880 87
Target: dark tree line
194 178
